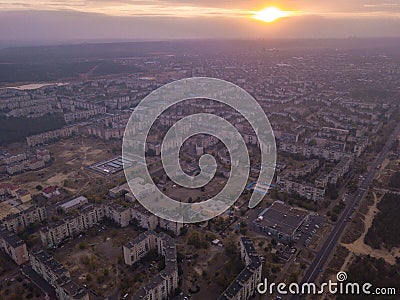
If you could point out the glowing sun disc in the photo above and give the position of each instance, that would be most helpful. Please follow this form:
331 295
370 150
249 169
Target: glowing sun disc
270 14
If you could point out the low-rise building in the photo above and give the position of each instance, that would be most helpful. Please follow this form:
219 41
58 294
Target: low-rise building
119 190
281 221
51 191
8 189
23 195
73 204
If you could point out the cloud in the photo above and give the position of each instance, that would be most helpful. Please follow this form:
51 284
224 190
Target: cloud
78 26
170 19
190 8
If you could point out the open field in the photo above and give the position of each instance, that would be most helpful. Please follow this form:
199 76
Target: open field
68 170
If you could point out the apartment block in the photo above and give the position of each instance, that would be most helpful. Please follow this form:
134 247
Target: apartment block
163 284
175 227
13 246
57 276
245 284
106 133
52 135
327 153
118 213
53 234
18 222
84 114
143 217
305 190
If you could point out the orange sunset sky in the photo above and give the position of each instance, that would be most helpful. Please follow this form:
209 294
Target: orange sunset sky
171 19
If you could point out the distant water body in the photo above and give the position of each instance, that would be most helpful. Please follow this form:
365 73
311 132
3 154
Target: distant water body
33 86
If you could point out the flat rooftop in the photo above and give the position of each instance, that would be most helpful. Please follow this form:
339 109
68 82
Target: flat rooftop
74 202
111 166
282 217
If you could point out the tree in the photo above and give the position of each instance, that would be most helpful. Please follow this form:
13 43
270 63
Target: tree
395 146
395 180
312 143
332 192
184 230
230 246
197 240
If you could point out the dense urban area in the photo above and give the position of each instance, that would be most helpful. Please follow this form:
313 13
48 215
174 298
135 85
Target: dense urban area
71 228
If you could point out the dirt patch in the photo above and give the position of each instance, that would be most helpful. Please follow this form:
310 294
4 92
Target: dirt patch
359 247
6 209
68 167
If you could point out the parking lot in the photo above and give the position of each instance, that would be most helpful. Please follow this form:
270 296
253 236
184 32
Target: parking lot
308 231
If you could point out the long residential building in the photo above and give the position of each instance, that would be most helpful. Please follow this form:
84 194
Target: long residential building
106 133
245 284
88 216
83 114
48 136
308 191
19 221
308 151
308 168
57 276
164 284
138 214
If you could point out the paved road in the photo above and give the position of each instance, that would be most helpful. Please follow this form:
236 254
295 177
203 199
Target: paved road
352 201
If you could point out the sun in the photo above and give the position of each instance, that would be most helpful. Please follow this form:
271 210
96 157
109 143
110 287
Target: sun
270 14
